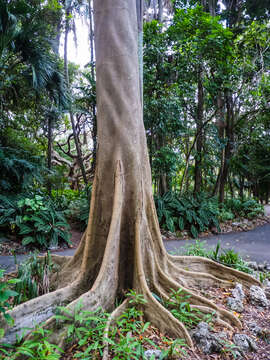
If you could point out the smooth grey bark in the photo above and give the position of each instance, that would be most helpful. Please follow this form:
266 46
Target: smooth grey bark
92 58
140 10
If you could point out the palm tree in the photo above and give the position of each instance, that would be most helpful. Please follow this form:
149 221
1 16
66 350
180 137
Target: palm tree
23 43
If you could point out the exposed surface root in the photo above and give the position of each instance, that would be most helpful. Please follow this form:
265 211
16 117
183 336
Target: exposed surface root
201 265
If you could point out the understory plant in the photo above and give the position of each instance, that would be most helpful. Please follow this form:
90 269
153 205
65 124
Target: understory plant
78 208
126 337
34 277
226 257
6 294
179 306
38 347
34 219
248 208
195 213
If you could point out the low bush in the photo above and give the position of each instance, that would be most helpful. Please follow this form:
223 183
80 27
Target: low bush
6 294
195 213
78 209
34 219
248 208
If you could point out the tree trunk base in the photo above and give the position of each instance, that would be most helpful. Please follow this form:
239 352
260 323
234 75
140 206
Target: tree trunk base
154 272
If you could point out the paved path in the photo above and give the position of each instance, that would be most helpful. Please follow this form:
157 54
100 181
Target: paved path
252 245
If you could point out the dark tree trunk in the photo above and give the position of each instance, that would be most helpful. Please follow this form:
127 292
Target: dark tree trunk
49 152
199 142
229 146
78 148
241 187
220 124
160 11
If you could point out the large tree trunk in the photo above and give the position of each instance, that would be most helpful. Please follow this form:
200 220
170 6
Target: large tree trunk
122 247
94 131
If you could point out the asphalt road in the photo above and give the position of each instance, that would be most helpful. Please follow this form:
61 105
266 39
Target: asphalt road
252 245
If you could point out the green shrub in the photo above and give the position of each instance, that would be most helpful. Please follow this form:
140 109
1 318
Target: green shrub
78 209
194 213
34 219
19 169
6 293
63 198
249 208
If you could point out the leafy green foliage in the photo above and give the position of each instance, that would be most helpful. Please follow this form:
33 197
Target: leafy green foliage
34 277
232 259
197 249
34 219
79 207
194 213
226 257
179 306
37 348
19 169
249 208
125 337
6 293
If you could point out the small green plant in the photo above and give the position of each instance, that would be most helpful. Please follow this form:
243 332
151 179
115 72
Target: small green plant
86 328
229 348
264 276
228 258
179 306
37 347
135 298
6 293
176 349
33 275
216 251
197 249
232 259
